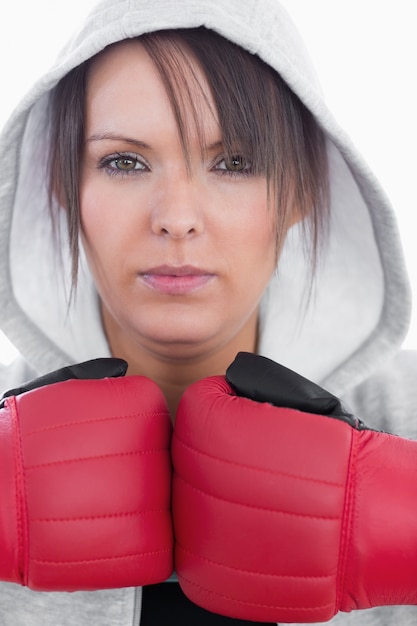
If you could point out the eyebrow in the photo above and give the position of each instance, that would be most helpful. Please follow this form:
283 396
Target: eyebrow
215 146
113 137
136 142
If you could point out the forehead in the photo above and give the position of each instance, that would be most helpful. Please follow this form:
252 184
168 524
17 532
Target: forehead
124 76
124 68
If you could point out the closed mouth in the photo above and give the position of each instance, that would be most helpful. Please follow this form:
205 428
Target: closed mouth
180 280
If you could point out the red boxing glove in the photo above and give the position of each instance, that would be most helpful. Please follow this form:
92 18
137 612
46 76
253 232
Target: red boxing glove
85 477
287 515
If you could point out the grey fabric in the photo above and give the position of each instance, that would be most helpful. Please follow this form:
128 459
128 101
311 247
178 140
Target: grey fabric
20 606
360 310
345 337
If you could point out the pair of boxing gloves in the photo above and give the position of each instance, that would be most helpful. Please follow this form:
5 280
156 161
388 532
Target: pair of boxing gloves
284 506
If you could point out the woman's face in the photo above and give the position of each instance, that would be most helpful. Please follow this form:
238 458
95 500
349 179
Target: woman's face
180 256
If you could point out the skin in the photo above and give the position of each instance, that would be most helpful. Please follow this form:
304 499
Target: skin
142 209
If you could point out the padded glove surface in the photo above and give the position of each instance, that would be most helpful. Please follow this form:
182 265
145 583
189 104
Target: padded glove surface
288 515
86 473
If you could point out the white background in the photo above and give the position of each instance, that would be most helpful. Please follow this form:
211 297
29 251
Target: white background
365 52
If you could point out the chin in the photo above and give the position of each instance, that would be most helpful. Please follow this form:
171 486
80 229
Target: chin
179 326
180 343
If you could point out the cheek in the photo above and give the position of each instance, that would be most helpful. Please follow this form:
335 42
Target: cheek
253 250
94 212
106 224
264 253
256 228
100 233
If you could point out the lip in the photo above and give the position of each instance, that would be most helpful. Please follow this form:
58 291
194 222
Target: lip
172 280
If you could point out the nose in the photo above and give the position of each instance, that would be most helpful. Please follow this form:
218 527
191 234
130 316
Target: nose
177 212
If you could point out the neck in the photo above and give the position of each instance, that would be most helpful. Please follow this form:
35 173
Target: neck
175 372
173 377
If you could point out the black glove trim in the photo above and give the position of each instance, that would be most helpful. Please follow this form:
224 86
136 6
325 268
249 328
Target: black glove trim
261 379
88 370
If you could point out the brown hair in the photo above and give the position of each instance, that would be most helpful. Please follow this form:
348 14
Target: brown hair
256 111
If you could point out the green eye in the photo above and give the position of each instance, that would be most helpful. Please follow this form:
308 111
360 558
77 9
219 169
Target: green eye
235 164
120 164
125 164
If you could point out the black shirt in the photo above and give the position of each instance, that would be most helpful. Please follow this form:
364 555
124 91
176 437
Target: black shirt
165 604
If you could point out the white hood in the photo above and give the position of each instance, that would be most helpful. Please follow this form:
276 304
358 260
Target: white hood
359 311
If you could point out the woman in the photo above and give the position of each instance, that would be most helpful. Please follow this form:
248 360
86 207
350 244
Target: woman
212 207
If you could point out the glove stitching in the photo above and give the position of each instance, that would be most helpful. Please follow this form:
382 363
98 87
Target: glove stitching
255 572
96 421
98 457
21 498
258 469
348 523
258 507
105 558
245 602
96 517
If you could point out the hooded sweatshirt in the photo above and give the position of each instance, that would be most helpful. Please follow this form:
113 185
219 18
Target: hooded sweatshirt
346 337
